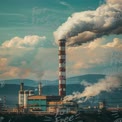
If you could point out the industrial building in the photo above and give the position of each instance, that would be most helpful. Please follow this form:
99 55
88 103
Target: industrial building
28 100
38 102
41 102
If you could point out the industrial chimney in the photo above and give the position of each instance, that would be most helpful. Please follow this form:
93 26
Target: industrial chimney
40 88
22 86
21 95
62 68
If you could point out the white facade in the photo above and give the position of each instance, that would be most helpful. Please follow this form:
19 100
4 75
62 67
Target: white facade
26 94
40 89
21 98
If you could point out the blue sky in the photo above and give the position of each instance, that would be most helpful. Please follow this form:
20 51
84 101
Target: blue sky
23 21
40 17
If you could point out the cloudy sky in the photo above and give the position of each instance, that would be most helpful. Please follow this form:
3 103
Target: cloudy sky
29 30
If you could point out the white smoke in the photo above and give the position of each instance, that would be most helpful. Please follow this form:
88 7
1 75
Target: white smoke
85 83
86 26
108 84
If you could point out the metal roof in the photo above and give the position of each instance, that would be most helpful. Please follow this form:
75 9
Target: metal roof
44 97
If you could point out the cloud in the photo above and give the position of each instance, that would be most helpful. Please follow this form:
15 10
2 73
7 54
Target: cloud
95 44
3 63
42 63
32 41
66 4
12 72
36 64
117 43
86 26
97 55
31 63
80 65
7 71
114 1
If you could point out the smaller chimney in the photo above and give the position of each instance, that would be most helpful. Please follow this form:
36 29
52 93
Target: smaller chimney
40 88
22 86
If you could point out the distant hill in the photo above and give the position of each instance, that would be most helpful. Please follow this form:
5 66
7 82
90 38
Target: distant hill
72 80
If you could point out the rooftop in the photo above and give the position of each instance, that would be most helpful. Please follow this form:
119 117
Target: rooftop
44 97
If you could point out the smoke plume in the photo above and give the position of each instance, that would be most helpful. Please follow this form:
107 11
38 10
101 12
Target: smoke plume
108 84
86 26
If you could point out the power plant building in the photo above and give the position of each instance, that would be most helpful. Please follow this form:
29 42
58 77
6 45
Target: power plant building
28 100
35 102
41 102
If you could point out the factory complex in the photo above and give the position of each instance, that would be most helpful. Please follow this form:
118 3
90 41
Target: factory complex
38 102
28 101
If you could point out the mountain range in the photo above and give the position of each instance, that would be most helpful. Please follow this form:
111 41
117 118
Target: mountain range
72 80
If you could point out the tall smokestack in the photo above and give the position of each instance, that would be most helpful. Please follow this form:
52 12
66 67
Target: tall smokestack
62 68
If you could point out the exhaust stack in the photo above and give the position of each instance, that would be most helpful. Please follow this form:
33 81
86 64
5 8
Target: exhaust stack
62 68
22 86
40 88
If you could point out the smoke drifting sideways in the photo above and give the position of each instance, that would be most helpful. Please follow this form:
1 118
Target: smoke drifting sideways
108 84
86 26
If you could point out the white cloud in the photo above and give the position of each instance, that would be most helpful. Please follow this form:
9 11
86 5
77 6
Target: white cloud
116 43
32 41
66 4
28 63
3 63
42 63
95 44
98 53
12 72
